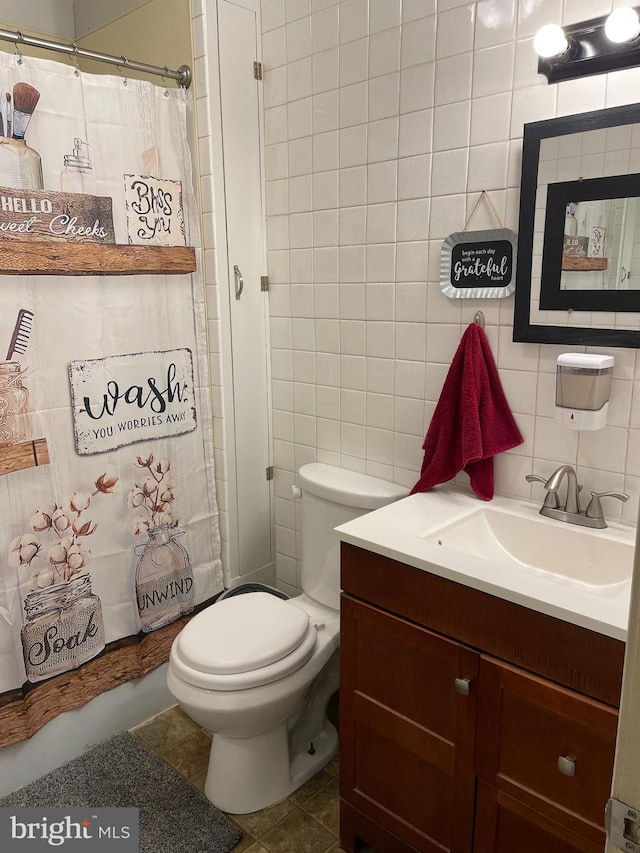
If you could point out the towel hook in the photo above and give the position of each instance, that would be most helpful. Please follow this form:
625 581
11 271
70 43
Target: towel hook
479 319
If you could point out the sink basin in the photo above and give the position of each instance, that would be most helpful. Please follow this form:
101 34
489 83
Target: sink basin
506 549
566 552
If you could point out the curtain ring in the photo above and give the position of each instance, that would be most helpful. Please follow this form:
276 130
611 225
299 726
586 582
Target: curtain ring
73 57
19 53
166 85
123 71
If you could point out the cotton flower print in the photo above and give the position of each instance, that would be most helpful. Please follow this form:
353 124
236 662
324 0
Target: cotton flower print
65 527
153 496
164 578
105 485
63 621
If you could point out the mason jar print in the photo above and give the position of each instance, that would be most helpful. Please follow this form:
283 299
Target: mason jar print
164 580
63 628
15 420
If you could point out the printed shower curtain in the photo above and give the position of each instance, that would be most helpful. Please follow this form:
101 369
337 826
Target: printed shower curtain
110 529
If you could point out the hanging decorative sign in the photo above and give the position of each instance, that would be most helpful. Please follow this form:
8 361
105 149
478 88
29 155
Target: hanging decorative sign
45 215
479 264
155 215
122 399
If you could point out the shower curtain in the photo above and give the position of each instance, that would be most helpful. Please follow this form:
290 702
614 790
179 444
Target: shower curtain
110 531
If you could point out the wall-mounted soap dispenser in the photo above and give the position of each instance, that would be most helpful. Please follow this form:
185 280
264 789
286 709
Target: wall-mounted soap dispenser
583 386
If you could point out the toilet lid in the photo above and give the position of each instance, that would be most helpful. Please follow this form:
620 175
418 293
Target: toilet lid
242 633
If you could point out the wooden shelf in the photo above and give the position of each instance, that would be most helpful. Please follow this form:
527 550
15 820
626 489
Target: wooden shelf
40 257
27 454
583 264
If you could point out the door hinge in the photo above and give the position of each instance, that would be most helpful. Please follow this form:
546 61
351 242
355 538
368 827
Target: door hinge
623 825
264 283
257 70
270 472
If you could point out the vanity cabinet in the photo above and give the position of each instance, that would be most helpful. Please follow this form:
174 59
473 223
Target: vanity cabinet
468 722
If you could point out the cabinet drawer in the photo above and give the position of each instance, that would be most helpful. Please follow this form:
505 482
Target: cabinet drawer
504 825
525 725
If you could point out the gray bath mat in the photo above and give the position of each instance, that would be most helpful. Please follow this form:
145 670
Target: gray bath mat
174 816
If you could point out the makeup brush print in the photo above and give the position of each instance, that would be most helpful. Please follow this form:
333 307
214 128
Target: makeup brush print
20 165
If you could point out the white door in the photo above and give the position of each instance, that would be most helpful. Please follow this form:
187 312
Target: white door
628 240
241 104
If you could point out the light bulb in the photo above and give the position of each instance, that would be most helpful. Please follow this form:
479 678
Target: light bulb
622 25
550 40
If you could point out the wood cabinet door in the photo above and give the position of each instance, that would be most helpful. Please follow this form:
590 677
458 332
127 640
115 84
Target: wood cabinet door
530 731
406 732
505 825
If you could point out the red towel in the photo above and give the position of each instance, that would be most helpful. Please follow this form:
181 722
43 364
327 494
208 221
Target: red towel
472 421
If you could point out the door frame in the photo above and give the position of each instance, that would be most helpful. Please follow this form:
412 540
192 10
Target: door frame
626 778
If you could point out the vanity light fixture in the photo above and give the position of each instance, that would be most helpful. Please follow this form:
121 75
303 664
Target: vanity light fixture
550 41
622 25
597 46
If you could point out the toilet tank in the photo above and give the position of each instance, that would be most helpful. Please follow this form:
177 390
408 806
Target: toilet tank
330 497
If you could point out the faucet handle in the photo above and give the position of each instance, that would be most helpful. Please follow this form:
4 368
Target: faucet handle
594 509
551 499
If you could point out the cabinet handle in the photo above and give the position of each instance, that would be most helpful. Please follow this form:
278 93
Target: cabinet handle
463 685
566 765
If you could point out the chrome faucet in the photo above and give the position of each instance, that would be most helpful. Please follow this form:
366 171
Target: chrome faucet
571 512
572 503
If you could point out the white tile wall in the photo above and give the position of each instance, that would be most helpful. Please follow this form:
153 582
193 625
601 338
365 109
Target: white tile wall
412 108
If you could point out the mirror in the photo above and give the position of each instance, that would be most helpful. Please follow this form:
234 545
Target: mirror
578 275
591 249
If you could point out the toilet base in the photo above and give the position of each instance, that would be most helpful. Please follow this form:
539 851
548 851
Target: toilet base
248 774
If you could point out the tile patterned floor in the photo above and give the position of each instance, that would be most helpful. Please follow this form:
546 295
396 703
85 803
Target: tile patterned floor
306 822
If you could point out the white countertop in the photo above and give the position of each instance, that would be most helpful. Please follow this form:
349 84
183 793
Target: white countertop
397 531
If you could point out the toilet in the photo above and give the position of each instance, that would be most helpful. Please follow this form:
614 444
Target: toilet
257 670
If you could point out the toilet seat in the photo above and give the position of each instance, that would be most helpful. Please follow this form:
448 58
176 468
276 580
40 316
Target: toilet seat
242 642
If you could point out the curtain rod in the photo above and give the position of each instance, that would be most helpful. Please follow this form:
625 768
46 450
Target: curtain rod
182 75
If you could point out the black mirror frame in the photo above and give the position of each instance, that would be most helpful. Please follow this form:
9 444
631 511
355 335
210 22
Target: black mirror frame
534 133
